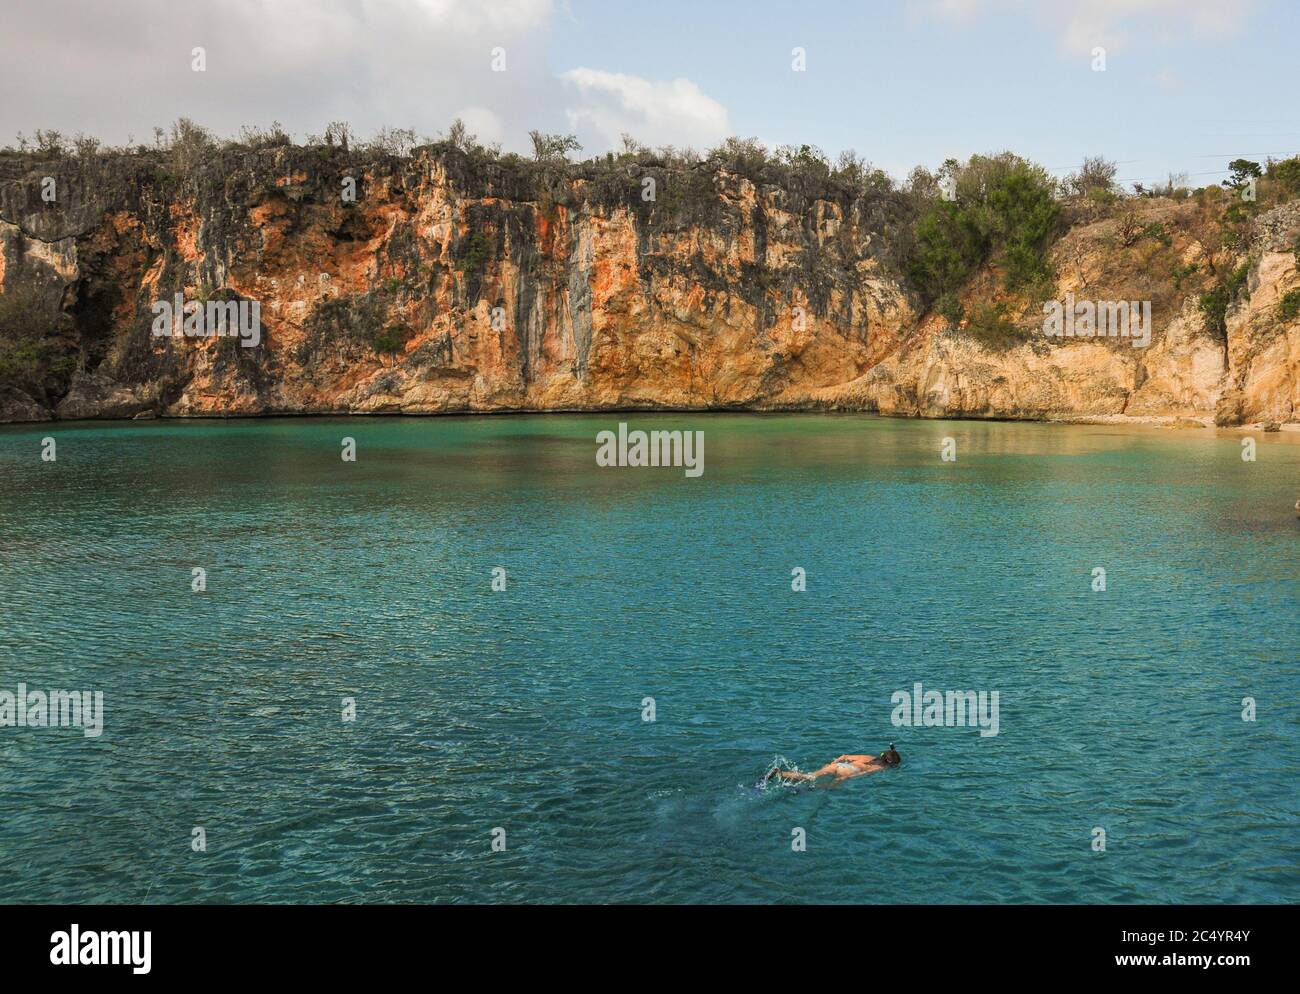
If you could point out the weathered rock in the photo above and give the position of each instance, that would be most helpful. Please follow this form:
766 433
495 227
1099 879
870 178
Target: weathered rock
18 406
455 284
96 396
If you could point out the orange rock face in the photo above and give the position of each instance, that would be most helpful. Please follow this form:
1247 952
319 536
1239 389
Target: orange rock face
447 284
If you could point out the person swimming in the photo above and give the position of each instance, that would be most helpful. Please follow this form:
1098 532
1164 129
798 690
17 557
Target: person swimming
841 767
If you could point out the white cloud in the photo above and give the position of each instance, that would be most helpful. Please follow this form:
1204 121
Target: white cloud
1080 25
418 64
672 112
118 70
483 124
304 63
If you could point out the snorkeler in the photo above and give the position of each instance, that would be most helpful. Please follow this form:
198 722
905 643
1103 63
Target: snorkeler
842 767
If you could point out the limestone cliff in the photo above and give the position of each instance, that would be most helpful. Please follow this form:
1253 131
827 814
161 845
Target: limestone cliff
456 283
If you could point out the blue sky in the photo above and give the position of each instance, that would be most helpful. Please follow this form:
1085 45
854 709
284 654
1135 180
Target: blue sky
1188 84
912 83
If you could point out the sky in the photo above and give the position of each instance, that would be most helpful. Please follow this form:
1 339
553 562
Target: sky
1185 86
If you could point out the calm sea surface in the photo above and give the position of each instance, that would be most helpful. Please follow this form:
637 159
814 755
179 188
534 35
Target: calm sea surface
522 709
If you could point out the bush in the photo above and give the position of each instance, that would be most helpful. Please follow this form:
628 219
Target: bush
949 245
1180 273
33 356
1098 195
989 325
1157 232
1095 179
392 339
1129 228
746 156
553 147
1237 281
1286 174
1003 211
806 160
391 141
1214 308
189 145
1290 305
475 253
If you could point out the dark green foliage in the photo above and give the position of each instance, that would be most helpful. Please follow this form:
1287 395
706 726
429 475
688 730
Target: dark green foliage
1003 212
1289 306
1237 281
1239 214
1214 303
1156 232
34 357
1287 175
949 246
1025 218
1214 307
474 252
1243 171
392 339
1180 273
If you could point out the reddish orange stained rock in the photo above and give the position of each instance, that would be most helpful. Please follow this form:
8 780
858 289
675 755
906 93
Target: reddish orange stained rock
423 298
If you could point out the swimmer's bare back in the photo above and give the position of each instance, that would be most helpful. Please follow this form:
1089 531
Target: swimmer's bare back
843 768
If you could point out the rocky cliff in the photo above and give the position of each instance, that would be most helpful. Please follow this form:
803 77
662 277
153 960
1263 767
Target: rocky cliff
445 281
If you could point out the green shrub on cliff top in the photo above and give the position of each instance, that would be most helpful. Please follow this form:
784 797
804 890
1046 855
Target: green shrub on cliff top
1286 174
1002 211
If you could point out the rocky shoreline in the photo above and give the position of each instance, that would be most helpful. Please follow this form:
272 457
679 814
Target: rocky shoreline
454 283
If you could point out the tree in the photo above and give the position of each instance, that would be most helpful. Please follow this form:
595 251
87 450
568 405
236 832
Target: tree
459 137
1243 171
393 141
1002 205
1096 173
189 144
549 147
51 143
338 133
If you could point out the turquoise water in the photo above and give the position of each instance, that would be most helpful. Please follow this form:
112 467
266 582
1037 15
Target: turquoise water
522 709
